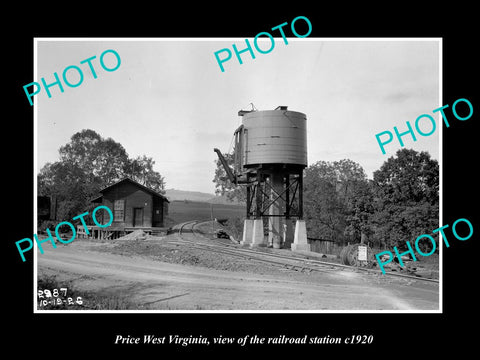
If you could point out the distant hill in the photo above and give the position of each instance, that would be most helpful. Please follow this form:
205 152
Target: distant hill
174 194
181 195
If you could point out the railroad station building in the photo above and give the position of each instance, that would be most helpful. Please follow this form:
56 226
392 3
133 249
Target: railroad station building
134 207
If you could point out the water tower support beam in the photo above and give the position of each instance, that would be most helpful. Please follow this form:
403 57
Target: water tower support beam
287 195
258 238
249 201
276 210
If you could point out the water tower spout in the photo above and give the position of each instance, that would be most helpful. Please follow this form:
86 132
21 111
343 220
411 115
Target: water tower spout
228 171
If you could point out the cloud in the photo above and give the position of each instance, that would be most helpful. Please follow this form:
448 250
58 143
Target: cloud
397 97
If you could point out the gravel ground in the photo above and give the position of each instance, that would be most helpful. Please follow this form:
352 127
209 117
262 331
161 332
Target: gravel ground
164 273
157 248
165 249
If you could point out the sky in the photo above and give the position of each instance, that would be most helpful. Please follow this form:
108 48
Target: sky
169 100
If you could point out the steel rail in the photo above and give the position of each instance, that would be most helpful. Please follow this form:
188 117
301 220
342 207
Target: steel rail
256 257
306 263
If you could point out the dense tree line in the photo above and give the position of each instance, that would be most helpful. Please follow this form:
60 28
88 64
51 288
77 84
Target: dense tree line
400 203
87 164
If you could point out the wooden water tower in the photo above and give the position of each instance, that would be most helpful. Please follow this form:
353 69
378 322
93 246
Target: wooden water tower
270 155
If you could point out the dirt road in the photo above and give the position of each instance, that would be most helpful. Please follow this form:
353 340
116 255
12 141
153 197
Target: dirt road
167 286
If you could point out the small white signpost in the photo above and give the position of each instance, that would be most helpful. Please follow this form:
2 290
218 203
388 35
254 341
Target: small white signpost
362 253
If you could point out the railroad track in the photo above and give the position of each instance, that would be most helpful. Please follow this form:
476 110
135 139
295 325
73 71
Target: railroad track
292 261
181 227
213 245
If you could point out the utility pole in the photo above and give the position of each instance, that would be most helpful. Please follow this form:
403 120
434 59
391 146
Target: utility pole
211 216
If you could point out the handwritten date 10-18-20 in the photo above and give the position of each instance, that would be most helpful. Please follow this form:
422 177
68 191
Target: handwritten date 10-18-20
57 297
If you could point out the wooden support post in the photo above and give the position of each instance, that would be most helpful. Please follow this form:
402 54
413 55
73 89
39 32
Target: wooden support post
258 198
249 201
287 195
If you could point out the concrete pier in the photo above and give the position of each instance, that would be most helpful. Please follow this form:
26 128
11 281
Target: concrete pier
258 239
247 232
300 242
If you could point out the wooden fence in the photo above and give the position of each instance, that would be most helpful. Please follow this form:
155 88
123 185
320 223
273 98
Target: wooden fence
324 246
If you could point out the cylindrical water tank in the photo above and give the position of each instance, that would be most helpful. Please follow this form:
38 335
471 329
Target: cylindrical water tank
275 137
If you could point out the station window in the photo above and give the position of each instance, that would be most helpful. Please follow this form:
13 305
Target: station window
119 210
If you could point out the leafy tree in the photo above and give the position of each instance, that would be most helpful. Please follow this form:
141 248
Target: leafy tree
407 202
360 212
101 159
408 178
141 170
69 184
322 207
337 200
223 186
87 164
